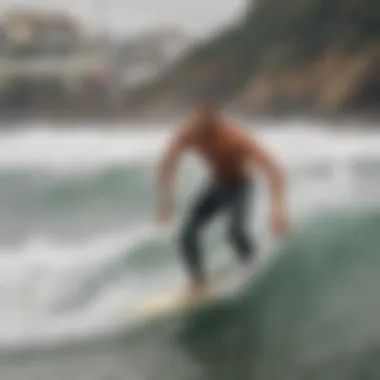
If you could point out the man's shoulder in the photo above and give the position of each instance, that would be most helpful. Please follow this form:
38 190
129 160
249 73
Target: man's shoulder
186 132
236 132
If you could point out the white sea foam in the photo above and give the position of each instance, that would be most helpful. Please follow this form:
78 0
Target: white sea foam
39 274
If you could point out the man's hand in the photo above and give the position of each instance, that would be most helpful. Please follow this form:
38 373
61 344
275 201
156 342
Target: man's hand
278 222
165 176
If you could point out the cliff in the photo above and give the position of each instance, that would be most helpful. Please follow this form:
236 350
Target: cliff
316 56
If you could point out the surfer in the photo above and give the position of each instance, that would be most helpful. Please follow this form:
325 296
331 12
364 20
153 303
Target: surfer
230 153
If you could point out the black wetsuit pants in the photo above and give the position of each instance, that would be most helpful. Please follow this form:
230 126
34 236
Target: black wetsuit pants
229 197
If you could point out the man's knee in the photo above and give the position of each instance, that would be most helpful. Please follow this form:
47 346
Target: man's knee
236 233
189 235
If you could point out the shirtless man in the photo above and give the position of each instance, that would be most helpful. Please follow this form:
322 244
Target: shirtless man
229 152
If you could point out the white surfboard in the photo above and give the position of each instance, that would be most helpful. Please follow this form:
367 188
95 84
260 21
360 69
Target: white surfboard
224 284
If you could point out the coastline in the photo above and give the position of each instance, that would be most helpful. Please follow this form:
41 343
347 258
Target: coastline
126 118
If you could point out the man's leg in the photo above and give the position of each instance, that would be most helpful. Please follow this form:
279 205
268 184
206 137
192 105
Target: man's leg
207 204
239 211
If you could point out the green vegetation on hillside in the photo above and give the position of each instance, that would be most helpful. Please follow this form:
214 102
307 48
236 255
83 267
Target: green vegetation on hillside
324 54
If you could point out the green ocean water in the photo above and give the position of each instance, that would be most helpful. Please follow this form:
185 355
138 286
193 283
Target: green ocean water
78 245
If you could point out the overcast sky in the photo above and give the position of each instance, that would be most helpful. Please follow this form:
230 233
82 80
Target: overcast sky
197 16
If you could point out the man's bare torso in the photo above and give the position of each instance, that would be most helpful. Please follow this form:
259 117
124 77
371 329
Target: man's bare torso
224 150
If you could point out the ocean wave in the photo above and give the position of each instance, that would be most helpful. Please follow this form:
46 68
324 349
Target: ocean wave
314 315
77 243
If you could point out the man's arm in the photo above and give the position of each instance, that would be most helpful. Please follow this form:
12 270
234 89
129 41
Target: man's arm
167 166
275 175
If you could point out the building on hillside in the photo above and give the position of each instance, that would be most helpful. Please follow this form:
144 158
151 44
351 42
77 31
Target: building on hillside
35 33
45 57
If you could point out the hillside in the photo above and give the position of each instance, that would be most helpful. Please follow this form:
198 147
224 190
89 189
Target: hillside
317 56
